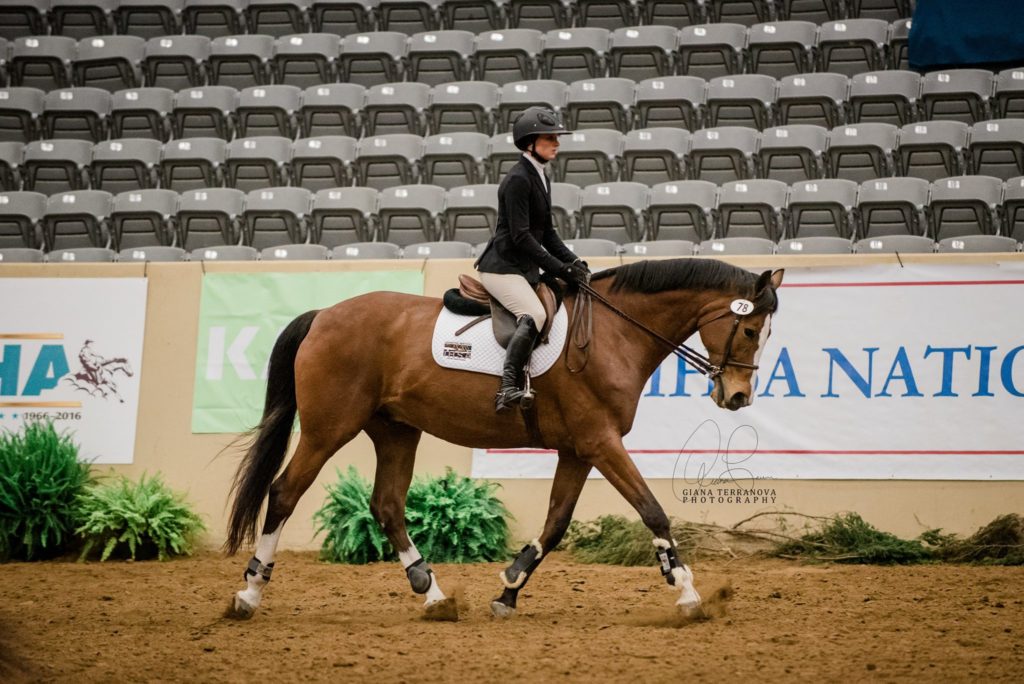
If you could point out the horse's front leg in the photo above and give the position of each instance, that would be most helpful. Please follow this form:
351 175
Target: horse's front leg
612 460
570 476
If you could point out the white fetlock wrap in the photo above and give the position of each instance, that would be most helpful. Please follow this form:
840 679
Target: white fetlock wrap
519 581
689 600
535 543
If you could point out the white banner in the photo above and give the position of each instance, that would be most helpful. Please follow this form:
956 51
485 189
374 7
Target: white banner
873 372
71 351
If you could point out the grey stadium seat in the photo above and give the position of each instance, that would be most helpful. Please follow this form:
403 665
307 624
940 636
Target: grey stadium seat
441 57
55 165
396 108
372 58
818 11
588 156
965 205
899 54
367 250
342 17
741 100
176 62
535 14
144 218
892 206
471 213
508 55
885 97
10 165
891 244
736 246
614 211
818 99
712 50
23 19
189 163
386 160
655 155
149 18
411 213
852 46
240 61
862 151
42 62
343 215
210 217
502 156
472 15
997 148
463 106
141 113
125 164
1013 208
214 18
573 54
306 59
781 48
682 210
565 208
21 215
268 110
301 252
438 250
752 208
592 247
976 244
225 253
659 248
87 255
409 16
959 94
332 109
822 208
258 162
933 149
206 111
146 253
609 14
600 103
792 153
1009 97
20 112
276 17
275 216
324 162
889 10
77 219
670 101
110 62
816 245
722 154
746 12
453 159
518 96
676 13
79 113
640 52
21 255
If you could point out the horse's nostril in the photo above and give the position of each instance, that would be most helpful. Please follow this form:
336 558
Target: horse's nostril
738 400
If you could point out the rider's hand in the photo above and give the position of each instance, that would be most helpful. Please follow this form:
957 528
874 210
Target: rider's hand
575 273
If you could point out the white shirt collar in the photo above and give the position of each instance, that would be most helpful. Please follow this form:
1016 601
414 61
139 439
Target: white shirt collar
537 165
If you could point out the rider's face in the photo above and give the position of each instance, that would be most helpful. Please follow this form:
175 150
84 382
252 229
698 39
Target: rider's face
546 146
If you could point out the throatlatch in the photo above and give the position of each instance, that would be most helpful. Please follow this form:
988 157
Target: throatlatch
515 575
419 576
256 568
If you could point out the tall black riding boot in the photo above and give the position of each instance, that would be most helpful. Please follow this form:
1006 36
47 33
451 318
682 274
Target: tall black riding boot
516 355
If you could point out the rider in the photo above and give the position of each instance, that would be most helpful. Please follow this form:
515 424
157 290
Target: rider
525 241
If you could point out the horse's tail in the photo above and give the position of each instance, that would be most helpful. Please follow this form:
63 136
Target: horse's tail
268 441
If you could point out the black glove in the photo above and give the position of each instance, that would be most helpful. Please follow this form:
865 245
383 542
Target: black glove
576 273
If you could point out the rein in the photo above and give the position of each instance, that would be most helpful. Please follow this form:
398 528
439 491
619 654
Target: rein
581 327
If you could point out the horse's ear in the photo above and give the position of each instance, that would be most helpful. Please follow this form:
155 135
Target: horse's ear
762 281
777 278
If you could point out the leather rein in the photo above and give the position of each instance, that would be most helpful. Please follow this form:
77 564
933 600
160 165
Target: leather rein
581 328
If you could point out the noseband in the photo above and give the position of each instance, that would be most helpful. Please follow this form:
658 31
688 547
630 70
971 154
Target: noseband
701 363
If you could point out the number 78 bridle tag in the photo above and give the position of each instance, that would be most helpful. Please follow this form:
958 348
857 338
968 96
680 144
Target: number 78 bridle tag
741 307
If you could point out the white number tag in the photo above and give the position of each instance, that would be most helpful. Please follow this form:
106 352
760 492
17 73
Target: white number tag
741 307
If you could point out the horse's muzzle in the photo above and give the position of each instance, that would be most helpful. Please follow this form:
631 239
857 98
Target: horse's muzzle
737 401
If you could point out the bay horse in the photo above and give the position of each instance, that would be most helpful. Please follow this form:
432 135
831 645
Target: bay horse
365 364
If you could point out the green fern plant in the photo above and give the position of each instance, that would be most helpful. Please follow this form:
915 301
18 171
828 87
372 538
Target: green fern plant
40 480
455 519
353 536
137 520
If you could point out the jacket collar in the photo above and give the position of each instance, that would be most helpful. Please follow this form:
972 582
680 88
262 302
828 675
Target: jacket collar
531 172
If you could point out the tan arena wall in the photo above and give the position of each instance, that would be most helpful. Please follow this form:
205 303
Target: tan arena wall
193 463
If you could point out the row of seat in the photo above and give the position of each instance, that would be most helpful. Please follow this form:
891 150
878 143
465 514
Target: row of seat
897 97
221 17
776 49
622 212
928 150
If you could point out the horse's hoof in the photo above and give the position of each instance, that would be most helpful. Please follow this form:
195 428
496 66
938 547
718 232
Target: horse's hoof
239 609
500 610
691 610
445 610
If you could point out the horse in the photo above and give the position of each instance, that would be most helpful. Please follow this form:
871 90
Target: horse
365 364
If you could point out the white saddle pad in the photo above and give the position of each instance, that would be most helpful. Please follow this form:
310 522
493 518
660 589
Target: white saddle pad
476 349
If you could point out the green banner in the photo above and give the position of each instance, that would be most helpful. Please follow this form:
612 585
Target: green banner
240 317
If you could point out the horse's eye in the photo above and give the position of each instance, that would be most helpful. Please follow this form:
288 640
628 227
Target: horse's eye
750 333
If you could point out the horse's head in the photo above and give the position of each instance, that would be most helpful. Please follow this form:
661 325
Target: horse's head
735 336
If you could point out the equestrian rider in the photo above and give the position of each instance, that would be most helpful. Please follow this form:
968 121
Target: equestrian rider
524 242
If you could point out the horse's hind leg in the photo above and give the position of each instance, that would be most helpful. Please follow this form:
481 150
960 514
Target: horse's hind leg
570 476
395 444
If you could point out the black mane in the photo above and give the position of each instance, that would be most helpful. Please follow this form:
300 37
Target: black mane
686 274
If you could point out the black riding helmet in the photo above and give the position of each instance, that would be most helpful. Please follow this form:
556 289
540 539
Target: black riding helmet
536 121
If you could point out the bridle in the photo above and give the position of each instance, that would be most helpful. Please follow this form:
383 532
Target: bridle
700 362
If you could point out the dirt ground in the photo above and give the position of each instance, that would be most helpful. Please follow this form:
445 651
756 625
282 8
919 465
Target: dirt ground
151 621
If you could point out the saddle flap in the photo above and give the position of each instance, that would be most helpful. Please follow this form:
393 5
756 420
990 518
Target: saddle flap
471 288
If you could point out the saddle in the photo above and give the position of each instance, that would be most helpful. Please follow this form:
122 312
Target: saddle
470 298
